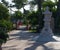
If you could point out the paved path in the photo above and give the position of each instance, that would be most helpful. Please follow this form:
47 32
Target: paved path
23 40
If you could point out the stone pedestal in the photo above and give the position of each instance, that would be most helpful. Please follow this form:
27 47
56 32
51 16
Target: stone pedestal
46 33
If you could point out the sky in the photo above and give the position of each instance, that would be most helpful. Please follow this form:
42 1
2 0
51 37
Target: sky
27 7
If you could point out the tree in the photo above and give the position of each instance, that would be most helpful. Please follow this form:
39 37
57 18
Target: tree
32 5
4 24
50 4
58 8
4 2
19 3
58 15
4 12
17 15
32 18
39 4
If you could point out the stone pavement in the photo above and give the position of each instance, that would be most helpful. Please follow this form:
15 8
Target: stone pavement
23 40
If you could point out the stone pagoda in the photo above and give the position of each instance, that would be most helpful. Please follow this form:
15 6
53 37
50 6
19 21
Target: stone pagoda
46 33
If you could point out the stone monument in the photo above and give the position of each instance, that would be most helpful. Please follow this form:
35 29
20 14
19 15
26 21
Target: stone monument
46 33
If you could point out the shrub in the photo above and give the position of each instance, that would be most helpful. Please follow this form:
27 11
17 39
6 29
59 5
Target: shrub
3 36
6 24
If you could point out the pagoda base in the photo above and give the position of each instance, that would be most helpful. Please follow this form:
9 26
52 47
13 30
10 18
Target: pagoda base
46 35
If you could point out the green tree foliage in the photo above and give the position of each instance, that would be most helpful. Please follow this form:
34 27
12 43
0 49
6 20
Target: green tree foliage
25 16
33 18
4 2
19 3
3 31
50 4
3 36
32 5
5 24
38 2
17 15
4 14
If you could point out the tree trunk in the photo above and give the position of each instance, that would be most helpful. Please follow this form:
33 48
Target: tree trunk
58 8
58 13
0 47
39 14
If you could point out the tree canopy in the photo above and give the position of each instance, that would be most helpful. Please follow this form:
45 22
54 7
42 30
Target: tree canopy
4 12
19 3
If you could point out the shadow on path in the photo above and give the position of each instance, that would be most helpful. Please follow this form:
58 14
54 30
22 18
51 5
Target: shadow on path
23 35
40 45
36 45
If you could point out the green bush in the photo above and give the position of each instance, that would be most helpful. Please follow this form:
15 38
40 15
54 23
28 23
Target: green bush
9 25
3 36
6 24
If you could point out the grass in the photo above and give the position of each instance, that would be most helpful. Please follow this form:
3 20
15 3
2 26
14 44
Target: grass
32 30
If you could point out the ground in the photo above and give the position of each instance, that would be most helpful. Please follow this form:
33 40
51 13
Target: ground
23 40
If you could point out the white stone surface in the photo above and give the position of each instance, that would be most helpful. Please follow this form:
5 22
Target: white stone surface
22 40
46 33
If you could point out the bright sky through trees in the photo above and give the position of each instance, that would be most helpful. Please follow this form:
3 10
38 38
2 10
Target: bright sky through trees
27 7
